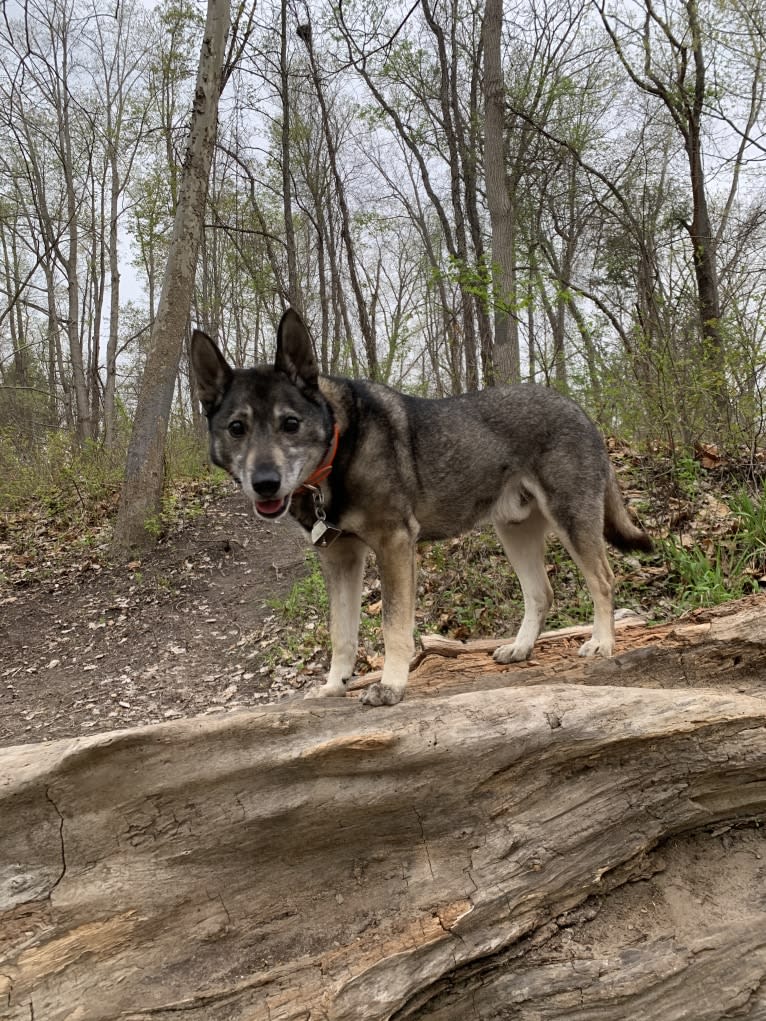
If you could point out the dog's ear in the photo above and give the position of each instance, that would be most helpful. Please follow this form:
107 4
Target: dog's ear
295 354
211 369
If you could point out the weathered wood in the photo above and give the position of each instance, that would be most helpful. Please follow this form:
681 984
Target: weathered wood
482 648
439 645
713 648
453 857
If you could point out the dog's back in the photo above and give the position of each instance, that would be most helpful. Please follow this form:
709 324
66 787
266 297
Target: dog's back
476 457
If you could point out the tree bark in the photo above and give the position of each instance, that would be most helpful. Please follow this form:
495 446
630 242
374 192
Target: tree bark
506 356
580 841
141 497
295 298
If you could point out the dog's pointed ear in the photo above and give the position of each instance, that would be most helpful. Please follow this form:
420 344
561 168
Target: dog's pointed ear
295 354
212 370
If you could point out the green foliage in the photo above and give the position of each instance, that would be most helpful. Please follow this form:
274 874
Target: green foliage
466 589
68 482
673 391
306 613
687 473
472 279
307 596
714 571
707 579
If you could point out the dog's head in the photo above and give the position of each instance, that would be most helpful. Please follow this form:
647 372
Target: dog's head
270 427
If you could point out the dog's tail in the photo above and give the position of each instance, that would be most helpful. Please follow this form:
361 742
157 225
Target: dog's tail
619 527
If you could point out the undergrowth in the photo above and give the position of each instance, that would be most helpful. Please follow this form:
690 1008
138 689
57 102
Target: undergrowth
58 500
466 589
710 570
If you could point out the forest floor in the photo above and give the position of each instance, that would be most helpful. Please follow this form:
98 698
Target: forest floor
212 619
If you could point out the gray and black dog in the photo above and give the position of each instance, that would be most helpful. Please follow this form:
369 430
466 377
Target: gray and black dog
361 466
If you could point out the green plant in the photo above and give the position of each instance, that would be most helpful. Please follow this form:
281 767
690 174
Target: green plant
58 497
751 525
700 580
687 471
307 597
716 570
305 613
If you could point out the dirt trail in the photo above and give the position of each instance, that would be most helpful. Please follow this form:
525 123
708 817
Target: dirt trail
174 635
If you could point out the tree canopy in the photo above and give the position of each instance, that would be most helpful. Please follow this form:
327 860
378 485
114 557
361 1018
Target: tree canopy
452 193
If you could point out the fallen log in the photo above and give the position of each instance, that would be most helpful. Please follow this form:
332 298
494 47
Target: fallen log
587 850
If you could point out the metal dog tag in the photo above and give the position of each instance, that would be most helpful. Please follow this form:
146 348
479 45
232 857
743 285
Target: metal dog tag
324 534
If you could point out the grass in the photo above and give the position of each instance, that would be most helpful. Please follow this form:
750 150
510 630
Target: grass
711 571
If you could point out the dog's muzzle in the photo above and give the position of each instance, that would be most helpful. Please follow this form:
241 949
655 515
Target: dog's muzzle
266 483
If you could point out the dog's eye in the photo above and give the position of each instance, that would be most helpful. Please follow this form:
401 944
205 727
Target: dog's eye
291 424
236 428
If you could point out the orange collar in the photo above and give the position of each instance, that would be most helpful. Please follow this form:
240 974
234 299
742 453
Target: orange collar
320 474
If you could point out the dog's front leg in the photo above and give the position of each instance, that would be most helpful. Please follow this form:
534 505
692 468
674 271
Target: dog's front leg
396 562
343 569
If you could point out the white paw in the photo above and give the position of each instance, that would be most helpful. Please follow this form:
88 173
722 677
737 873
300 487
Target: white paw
381 694
513 653
597 647
330 689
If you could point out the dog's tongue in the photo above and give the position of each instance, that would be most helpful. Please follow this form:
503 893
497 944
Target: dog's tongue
269 506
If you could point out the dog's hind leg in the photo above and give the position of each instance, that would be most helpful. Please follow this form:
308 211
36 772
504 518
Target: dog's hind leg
589 554
343 569
524 545
396 562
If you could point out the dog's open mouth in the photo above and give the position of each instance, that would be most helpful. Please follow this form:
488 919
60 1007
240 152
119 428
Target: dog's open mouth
271 508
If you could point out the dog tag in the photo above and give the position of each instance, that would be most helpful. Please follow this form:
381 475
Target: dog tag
324 534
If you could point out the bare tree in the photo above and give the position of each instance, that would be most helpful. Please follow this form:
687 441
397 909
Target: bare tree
431 126
293 281
141 497
664 49
506 344
332 144
120 64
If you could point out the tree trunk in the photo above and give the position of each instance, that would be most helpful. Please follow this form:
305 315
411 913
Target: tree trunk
83 424
295 298
472 853
110 383
449 117
700 229
506 357
678 78
141 497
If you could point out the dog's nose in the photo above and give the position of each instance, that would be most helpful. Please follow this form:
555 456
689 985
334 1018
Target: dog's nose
266 481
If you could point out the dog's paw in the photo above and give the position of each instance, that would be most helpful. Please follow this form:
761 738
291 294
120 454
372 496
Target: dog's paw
381 694
512 653
595 647
327 690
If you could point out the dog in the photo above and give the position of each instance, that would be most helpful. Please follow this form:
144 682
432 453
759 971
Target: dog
361 466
